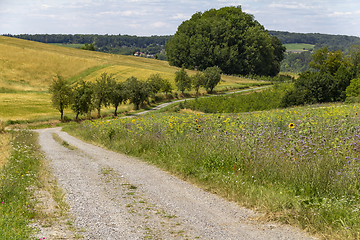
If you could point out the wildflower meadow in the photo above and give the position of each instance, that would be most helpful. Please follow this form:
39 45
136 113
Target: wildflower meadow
298 165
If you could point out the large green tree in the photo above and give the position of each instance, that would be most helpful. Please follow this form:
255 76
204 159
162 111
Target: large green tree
228 38
61 94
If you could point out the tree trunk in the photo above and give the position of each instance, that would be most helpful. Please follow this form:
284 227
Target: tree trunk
61 114
115 114
99 113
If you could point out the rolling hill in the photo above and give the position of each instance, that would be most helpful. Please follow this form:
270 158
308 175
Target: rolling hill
27 69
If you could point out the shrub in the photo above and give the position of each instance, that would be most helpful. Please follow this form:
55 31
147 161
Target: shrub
353 90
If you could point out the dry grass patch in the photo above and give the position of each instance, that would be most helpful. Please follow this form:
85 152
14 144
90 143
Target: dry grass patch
5 147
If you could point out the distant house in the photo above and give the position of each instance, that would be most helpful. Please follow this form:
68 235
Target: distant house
139 53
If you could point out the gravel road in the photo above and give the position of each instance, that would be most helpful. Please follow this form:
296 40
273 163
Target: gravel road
113 196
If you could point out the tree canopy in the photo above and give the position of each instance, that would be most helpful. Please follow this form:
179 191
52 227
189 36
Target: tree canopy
182 80
228 38
138 91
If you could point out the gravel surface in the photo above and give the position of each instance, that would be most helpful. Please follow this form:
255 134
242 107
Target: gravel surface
113 196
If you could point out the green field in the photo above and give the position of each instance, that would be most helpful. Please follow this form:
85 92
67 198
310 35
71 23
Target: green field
299 47
29 67
68 45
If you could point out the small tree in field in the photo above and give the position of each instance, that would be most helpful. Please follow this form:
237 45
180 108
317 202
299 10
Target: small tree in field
82 98
102 89
118 95
155 81
61 94
182 80
197 81
166 86
137 91
212 77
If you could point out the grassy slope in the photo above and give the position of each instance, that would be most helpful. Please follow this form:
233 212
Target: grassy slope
27 66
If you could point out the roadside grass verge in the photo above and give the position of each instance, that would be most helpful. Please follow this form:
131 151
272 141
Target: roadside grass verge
26 188
17 180
299 166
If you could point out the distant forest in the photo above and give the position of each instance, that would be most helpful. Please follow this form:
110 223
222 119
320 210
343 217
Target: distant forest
115 44
155 45
333 42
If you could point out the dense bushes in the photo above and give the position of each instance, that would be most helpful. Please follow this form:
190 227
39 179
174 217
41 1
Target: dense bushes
329 80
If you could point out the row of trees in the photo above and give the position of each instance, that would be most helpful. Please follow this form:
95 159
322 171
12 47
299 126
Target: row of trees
83 97
207 79
331 75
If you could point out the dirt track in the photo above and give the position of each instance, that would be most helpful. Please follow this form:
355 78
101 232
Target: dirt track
113 196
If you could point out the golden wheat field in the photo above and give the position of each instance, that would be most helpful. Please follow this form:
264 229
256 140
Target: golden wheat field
27 68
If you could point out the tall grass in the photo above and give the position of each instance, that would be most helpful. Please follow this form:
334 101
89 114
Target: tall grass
299 165
17 179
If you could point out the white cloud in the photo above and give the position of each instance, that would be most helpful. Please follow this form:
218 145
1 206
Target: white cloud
44 6
293 5
159 24
180 16
162 17
340 14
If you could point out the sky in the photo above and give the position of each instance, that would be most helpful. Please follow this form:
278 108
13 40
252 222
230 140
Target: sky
160 17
